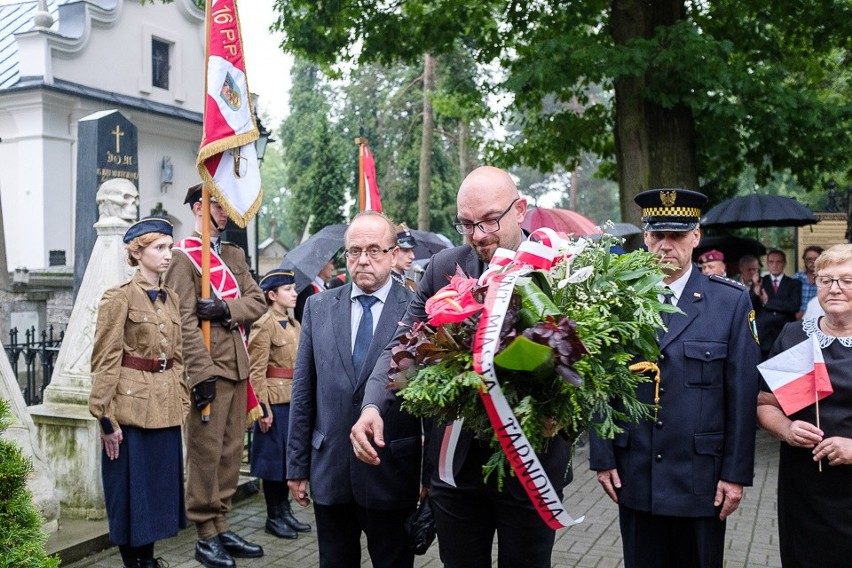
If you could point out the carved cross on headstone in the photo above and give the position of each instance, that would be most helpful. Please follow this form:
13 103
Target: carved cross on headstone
118 134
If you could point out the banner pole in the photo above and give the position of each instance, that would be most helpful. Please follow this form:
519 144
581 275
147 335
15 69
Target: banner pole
362 187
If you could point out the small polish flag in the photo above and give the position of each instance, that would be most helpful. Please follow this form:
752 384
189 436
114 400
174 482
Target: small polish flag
797 377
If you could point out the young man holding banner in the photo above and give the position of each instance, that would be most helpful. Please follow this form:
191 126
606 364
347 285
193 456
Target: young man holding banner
676 478
469 511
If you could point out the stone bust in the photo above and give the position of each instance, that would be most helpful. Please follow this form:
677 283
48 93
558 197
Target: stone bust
117 198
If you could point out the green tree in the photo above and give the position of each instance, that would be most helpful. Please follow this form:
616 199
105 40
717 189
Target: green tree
314 154
276 200
21 536
694 91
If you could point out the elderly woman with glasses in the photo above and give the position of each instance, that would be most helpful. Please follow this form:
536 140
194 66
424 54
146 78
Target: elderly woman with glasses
815 470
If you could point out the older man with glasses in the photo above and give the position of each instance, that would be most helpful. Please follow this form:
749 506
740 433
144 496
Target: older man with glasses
469 511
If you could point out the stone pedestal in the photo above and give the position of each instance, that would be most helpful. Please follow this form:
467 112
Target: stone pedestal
22 431
68 435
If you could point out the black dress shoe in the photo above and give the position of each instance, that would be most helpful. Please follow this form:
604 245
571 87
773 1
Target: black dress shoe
212 554
295 524
238 547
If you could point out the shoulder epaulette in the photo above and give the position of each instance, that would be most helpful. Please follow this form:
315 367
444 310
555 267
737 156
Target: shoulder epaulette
728 281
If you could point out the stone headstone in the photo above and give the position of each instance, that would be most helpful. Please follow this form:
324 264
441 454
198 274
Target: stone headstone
106 149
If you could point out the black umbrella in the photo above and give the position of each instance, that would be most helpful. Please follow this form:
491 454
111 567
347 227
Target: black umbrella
732 247
759 211
429 243
309 257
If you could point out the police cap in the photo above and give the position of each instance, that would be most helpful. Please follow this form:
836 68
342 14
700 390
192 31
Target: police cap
670 209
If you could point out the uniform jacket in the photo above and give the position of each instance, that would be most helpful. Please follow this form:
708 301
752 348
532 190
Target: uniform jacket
780 308
326 402
441 268
227 357
271 345
705 427
130 324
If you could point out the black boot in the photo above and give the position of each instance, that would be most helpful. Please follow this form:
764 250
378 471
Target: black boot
287 517
212 554
276 526
238 547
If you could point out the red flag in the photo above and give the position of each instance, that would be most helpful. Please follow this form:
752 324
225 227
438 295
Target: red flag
372 199
227 159
798 376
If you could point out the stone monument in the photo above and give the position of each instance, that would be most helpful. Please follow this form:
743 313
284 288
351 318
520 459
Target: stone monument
106 149
68 435
23 433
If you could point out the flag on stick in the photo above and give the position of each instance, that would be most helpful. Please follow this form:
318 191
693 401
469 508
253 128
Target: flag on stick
798 376
368 187
227 159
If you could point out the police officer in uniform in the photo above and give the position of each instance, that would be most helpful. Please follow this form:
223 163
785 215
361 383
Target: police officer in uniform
676 478
272 350
140 398
217 377
404 259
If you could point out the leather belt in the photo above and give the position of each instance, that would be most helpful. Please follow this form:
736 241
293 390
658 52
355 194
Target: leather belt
150 365
279 373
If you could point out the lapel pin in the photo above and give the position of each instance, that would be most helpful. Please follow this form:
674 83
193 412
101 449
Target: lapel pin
697 294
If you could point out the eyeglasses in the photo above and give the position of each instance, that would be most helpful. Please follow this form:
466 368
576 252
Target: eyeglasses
374 252
486 226
810 258
844 282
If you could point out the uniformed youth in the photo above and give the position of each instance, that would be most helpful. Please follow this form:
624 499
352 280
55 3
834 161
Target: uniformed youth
140 399
272 350
404 260
676 478
218 378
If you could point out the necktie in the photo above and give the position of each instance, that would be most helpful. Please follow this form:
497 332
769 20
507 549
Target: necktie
365 333
216 246
667 316
155 293
283 323
775 285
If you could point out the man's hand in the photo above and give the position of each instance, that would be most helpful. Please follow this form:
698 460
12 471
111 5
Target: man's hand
212 309
110 443
728 495
370 426
801 434
611 483
204 392
299 490
837 450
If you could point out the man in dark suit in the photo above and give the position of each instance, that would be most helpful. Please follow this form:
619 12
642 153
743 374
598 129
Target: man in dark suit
344 330
676 478
780 297
467 515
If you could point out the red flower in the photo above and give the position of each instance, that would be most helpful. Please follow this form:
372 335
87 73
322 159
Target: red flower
453 303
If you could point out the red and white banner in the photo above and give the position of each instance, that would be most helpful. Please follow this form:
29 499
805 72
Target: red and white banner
371 198
798 376
227 160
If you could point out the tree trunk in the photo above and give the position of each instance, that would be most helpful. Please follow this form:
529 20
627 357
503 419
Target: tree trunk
654 146
464 151
424 184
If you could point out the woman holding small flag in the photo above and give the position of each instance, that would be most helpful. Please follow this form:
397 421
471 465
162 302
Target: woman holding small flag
272 348
140 399
809 409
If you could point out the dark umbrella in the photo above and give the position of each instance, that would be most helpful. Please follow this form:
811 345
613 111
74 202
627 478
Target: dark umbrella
429 243
309 257
759 211
732 247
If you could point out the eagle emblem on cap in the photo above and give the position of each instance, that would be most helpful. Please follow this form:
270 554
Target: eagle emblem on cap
668 198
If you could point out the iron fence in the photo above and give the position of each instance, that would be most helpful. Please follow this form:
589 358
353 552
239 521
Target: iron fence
39 351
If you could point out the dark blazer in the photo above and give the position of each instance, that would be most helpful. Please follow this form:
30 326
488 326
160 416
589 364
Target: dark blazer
780 309
441 268
326 402
705 427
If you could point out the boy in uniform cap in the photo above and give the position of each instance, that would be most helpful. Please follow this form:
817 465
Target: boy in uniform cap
217 377
406 243
272 350
712 262
676 478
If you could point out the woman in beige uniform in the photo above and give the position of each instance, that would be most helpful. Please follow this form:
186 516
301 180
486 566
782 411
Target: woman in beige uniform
272 350
140 398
